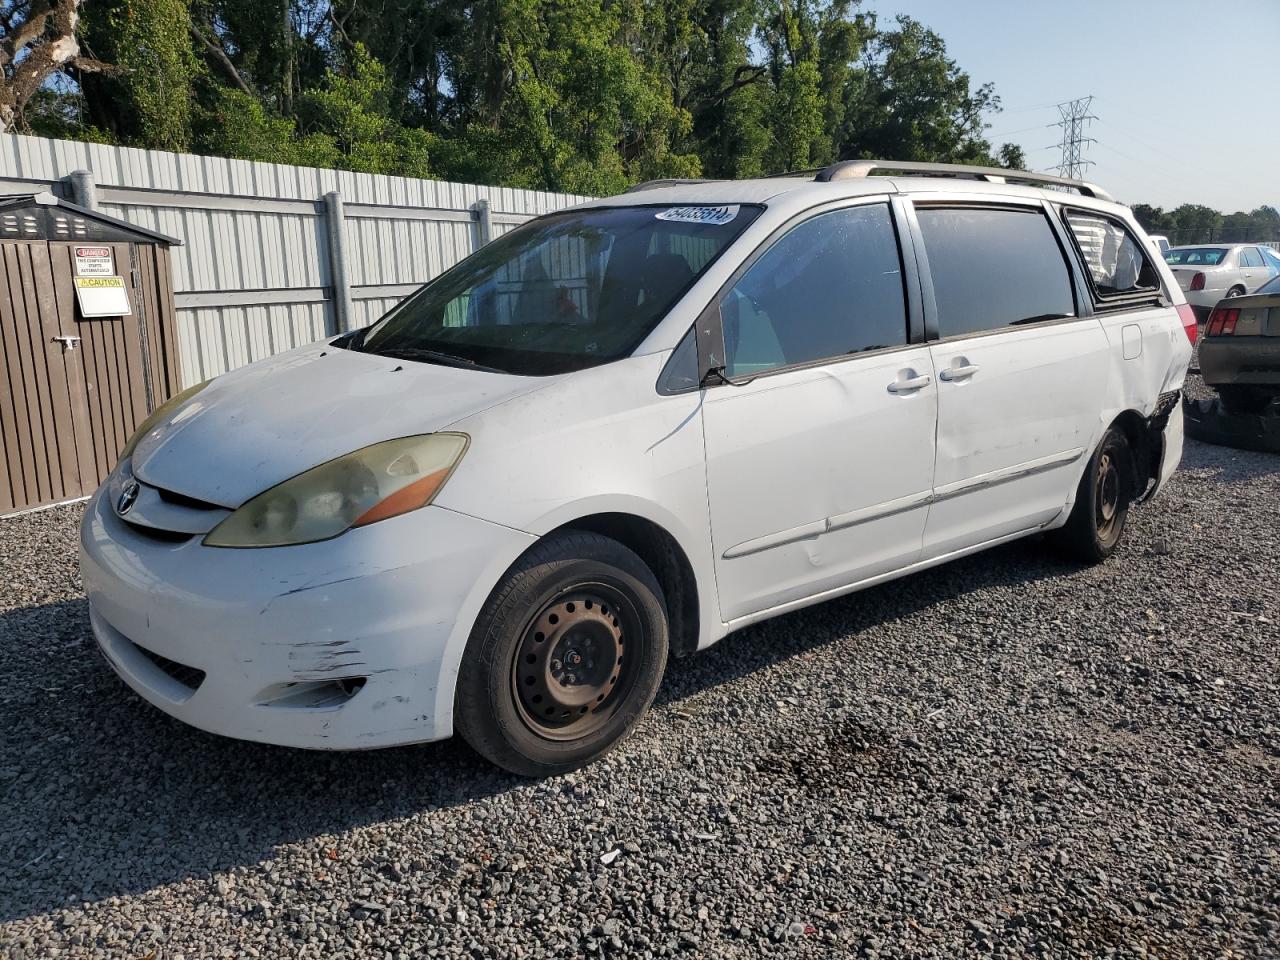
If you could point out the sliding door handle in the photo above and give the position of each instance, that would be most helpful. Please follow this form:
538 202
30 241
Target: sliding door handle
963 372
911 384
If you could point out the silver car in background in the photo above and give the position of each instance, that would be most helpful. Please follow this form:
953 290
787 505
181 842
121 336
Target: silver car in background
1208 273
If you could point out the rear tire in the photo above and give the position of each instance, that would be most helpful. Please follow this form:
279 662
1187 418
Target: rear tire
565 658
1097 520
1235 292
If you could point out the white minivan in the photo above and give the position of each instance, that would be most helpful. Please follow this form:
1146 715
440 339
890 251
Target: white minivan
621 431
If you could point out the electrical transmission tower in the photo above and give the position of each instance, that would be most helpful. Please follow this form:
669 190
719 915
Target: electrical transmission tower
1075 115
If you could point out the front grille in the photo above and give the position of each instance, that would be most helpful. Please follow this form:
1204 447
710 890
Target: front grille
189 677
182 500
155 533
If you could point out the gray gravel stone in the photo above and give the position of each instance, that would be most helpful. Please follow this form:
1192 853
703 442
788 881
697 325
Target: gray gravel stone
1006 756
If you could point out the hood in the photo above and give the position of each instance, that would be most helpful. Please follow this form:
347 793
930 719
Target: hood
262 424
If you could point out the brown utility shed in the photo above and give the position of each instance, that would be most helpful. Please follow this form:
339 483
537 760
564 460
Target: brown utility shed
73 388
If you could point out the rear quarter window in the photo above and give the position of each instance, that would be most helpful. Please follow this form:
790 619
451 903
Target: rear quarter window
1115 259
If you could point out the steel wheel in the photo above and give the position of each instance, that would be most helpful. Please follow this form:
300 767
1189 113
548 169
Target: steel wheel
570 672
1106 495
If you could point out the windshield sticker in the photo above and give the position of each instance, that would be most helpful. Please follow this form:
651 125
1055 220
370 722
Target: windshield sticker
714 216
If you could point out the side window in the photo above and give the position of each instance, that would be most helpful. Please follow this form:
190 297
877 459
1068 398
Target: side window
1115 259
830 287
1250 257
994 267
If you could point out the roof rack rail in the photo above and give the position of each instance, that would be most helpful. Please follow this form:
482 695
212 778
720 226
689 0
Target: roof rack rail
855 169
668 182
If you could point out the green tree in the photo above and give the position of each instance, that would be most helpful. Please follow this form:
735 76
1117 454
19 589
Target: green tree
147 101
913 102
351 110
1196 223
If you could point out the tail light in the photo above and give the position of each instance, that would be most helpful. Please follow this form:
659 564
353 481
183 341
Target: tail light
1188 317
1197 282
1222 322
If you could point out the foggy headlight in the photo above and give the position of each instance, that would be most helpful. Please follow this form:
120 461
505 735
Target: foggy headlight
380 481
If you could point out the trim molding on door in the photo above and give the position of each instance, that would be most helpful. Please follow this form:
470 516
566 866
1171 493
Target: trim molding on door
1005 474
807 531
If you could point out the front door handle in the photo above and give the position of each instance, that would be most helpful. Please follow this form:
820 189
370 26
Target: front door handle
911 384
962 372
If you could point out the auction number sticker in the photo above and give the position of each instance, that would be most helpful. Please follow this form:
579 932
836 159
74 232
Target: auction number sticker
714 216
94 262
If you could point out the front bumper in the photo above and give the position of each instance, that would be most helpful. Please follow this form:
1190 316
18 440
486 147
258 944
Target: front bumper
1240 360
268 644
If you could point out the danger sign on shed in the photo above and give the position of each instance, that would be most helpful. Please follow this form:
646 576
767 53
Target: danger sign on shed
102 297
94 262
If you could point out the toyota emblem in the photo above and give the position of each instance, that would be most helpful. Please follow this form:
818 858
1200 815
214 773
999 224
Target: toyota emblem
128 497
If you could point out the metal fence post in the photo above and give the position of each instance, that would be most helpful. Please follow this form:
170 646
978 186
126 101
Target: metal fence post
335 230
84 192
484 216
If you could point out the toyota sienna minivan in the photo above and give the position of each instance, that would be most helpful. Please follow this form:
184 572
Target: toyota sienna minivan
624 430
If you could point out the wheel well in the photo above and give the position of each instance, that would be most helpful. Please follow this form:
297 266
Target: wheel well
1135 429
663 555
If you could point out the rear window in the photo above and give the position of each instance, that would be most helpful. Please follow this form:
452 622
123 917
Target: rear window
994 268
1195 256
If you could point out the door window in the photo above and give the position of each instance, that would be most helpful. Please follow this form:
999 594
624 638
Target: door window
830 287
1250 257
1116 263
993 268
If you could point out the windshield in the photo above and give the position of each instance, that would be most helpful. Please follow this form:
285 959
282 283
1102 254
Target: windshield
1202 256
1271 286
562 293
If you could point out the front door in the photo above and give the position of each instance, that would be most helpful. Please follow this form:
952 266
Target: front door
820 453
1021 377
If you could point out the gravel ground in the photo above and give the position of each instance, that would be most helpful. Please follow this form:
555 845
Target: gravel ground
1007 756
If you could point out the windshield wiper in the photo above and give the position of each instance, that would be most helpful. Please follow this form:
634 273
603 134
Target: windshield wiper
435 356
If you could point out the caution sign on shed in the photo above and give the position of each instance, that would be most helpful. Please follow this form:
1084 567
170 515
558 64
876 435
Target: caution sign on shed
102 297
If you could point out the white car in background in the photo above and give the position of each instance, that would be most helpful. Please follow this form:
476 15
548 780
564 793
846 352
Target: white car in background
624 430
1211 272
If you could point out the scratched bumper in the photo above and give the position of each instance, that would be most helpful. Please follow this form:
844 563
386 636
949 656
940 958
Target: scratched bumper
392 603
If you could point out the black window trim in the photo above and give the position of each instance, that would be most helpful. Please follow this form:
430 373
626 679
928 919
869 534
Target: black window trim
710 334
1080 300
1113 302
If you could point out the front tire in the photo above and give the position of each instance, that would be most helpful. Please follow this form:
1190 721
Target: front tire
565 658
1097 520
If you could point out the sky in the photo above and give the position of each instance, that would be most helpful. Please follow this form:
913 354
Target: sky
1187 94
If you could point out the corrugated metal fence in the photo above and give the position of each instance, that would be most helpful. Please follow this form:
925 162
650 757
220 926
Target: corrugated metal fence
274 256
